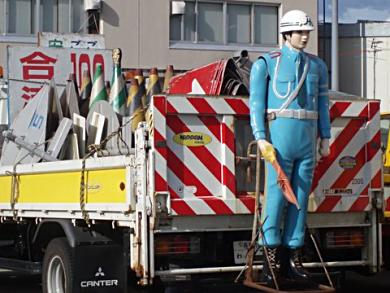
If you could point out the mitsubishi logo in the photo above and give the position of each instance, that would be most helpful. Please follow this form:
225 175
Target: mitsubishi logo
99 282
99 273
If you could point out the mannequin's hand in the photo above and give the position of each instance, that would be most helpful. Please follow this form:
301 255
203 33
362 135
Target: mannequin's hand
324 147
267 150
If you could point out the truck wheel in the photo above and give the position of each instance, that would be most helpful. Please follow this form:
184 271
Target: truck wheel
57 272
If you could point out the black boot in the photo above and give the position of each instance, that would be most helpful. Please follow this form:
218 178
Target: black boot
271 266
293 270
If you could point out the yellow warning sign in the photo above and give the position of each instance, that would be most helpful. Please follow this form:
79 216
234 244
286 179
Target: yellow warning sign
192 139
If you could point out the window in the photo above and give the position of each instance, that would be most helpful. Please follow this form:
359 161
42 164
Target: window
239 24
225 23
26 17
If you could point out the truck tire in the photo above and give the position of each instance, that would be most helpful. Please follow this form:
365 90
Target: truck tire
57 270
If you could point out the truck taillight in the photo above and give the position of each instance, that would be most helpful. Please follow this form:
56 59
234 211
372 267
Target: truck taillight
350 238
177 244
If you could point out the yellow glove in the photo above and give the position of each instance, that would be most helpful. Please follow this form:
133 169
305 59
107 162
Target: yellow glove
267 150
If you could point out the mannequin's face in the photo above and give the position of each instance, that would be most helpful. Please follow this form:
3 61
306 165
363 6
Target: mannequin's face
298 39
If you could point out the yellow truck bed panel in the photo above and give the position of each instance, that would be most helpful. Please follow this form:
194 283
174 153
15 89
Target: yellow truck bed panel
103 186
53 189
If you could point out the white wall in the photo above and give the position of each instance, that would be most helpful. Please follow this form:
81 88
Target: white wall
145 39
356 60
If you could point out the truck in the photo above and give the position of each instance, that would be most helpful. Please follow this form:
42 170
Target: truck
179 204
385 140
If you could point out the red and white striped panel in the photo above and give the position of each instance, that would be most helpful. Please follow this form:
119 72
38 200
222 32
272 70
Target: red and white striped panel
344 180
200 179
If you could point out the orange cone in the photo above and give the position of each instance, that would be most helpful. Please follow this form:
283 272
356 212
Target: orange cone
141 83
154 87
134 102
129 75
167 77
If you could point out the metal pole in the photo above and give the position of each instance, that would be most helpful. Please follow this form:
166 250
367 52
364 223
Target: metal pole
209 270
335 45
324 36
374 85
375 49
37 22
320 256
251 250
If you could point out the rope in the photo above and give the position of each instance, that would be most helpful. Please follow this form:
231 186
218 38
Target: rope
14 191
98 148
15 182
92 149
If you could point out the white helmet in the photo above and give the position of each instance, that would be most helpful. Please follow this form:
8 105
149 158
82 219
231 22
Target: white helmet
295 20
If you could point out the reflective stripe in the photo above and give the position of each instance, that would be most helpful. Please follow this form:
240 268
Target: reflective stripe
290 113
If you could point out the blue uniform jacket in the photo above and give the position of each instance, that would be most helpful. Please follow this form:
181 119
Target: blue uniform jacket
291 66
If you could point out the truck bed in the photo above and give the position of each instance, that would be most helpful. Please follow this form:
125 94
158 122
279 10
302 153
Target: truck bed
52 189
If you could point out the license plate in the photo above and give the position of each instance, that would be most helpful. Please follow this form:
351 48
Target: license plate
240 249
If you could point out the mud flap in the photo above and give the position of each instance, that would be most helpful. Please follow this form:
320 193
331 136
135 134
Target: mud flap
99 268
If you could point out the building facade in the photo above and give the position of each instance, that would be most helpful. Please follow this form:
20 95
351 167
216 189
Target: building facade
364 56
187 33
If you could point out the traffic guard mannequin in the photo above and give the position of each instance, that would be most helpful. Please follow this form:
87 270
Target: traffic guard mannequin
289 109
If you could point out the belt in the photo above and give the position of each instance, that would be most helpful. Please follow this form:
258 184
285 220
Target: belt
272 114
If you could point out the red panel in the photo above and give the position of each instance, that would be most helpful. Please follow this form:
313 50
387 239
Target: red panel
249 202
328 204
387 204
228 137
160 183
338 109
209 78
218 206
376 182
373 147
374 108
229 179
179 205
347 175
201 152
159 103
185 175
202 106
238 106
212 124
337 146
158 139
360 204
171 109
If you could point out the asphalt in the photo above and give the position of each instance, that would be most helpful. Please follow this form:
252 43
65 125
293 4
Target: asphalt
353 283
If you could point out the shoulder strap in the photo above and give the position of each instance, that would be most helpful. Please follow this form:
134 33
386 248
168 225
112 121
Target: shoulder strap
294 94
